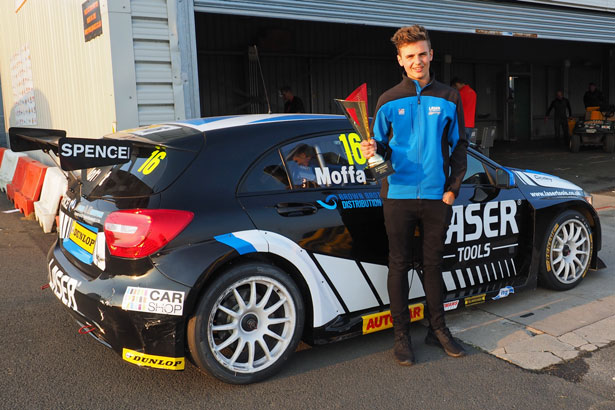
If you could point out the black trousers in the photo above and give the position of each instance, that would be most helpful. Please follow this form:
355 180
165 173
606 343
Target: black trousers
561 122
401 217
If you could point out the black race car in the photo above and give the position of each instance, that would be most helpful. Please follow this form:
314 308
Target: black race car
230 239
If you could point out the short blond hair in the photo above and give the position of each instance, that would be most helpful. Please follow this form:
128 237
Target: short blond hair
410 34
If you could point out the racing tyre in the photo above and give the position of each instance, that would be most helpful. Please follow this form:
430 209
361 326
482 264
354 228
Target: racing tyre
567 251
609 143
575 143
247 323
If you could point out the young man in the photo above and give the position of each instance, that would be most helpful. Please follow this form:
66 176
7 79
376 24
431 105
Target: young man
468 101
419 125
593 96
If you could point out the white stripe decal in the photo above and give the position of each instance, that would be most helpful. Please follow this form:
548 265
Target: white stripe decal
448 256
524 178
470 276
507 269
487 273
462 281
378 275
349 282
210 124
325 304
495 274
505 246
255 238
512 261
501 270
480 275
448 281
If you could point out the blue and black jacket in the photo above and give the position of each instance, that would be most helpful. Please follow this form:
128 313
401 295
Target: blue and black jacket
422 132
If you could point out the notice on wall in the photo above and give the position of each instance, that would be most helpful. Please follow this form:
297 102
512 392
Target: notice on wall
92 22
19 4
24 110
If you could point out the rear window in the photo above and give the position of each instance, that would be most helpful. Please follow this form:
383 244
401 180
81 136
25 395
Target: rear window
150 170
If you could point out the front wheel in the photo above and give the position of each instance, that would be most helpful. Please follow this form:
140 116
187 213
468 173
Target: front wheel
247 324
567 251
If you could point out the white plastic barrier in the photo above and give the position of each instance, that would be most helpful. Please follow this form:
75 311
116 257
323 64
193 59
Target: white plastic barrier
54 187
7 170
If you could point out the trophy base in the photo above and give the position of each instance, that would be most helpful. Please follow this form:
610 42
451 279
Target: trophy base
380 171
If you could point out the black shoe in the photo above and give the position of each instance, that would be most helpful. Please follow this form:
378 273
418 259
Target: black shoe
443 338
402 350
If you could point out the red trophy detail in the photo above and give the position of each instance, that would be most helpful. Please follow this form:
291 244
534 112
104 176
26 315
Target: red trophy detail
355 109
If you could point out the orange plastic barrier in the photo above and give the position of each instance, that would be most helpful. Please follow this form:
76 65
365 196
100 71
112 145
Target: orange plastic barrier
2 149
31 190
18 177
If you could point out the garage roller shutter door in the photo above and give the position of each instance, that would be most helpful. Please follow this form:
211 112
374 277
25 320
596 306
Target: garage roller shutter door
448 15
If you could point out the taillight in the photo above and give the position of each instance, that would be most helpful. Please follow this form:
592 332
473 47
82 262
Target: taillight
138 233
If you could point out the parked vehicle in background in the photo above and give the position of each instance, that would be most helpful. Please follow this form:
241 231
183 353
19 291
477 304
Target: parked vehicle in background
597 129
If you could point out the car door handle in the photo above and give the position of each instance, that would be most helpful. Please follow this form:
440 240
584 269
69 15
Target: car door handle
295 209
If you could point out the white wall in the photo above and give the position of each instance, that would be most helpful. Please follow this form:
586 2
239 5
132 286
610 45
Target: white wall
72 79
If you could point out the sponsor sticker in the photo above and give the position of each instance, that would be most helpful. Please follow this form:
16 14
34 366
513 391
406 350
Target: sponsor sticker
63 286
164 302
157 362
504 292
475 300
83 237
383 320
352 200
452 305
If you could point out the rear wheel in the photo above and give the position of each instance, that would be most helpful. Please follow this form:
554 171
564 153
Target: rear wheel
575 143
247 324
609 143
567 251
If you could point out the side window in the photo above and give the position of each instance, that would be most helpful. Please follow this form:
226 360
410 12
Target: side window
326 161
268 174
477 173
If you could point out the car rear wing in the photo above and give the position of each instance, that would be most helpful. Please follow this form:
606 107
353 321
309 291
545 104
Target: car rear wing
73 153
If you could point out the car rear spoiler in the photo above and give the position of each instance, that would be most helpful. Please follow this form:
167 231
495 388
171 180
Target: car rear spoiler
74 153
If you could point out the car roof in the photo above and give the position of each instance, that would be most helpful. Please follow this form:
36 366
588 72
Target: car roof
230 121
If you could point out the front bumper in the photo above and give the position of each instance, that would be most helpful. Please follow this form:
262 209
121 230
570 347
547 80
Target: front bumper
142 318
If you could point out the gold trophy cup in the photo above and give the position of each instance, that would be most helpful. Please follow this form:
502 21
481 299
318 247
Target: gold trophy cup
355 109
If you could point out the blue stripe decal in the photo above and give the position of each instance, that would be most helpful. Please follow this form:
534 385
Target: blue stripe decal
201 121
234 242
77 251
293 117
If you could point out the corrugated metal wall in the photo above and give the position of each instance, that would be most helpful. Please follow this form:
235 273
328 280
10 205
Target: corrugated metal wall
157 72
463 16
73 84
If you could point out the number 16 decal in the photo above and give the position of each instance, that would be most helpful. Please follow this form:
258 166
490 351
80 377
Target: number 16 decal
352 148
152 162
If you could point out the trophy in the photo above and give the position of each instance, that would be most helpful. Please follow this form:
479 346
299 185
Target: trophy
355 109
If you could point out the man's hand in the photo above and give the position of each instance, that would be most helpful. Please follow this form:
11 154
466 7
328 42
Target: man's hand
448 198
368 148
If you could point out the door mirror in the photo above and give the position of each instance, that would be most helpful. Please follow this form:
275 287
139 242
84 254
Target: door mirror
504 179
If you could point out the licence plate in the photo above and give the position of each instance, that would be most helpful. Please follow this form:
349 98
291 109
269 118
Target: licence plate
81 241
590 131
82 236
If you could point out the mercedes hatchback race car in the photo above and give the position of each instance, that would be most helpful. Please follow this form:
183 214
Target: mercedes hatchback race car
230 239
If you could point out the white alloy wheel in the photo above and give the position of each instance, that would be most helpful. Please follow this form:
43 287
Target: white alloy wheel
570 253
567 251
251 324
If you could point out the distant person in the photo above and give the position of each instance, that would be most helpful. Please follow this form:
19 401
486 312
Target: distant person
292 103
593 97
561 107
468 102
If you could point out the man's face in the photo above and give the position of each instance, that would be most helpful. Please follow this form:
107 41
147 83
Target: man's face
416 58
302 159
560 95
458 86
592 88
